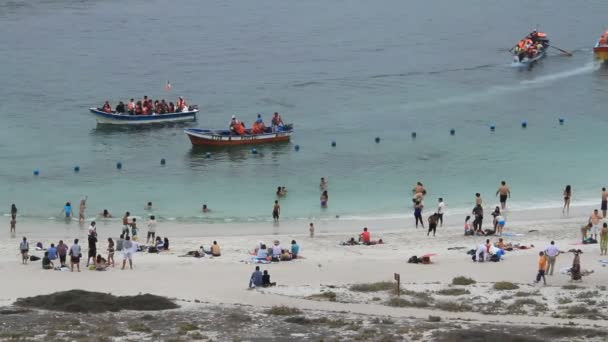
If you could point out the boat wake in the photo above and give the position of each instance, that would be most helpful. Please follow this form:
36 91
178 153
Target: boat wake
586 69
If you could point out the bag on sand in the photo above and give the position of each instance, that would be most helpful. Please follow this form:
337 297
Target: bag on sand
34 258
413 260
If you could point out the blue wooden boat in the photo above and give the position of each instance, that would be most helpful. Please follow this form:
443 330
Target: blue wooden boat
127 119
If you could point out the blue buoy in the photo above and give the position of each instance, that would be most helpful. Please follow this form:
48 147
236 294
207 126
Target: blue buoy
377 140
561 121
76 168
524 124
297 147
163 161
333 143
413 134
452 131
492 128
254 151
119 165
36 172
208 155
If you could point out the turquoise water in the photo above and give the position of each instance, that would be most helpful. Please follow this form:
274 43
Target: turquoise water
345 70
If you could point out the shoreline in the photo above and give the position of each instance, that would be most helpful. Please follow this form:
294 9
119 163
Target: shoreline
453 222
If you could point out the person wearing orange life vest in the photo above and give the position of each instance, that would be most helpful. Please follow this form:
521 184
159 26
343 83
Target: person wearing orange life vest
239 128
258 126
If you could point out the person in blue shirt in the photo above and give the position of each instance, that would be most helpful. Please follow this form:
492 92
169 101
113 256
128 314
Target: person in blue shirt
67 210
52 251
295 249
256 278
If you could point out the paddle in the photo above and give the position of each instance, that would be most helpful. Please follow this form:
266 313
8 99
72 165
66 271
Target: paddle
562 50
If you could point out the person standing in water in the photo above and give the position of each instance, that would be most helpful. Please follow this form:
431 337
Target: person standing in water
567 197
323 185
604 239
276 211
67 211
82 208
504 193
324 198
311 230
604 201
13 211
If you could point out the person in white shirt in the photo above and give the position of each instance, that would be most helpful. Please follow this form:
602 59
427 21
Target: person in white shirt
128 249
151 229
551 252
440 209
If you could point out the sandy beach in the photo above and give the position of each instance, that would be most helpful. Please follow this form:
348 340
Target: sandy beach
327 266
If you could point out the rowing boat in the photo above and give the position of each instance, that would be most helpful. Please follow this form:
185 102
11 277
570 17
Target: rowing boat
600 49
127 119
531 49
206 137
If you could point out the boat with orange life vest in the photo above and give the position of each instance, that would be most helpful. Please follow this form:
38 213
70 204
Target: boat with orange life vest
600 50
531 49
207 137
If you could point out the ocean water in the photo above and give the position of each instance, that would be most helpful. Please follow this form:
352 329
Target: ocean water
344 71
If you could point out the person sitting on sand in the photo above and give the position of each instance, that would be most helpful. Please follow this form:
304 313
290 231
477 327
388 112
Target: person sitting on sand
285 255
295 249
365 236
159 244
215 249
47 264
256 278
276 251
467 227
100 263
262 253
266 280
575 271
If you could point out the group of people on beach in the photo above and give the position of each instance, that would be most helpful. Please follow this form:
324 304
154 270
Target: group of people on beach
146 106
282 192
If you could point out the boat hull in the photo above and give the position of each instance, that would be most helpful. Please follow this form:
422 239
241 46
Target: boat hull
201 137
530 61
601 52
124 119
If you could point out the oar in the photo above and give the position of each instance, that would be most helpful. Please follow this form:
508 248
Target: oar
562 50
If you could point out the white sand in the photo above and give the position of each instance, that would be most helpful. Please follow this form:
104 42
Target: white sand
225 279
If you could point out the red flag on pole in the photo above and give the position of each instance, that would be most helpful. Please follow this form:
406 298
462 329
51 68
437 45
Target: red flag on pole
168 86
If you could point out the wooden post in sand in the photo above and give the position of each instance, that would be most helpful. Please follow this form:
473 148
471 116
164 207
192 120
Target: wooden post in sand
398 280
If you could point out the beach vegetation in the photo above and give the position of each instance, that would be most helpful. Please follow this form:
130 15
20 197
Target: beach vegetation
238 317
283 311
195 335
583 310
453 292
587 295
326 295
139 327
184 328
564 300
563 332
401 303
525 294
95 302
434 319
482 335
453 306
461 280
505 286
373 287
570 287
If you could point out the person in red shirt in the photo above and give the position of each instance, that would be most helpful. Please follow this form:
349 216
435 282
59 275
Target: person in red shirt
365 236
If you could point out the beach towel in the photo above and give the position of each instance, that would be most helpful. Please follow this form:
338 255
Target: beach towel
512 234
604 261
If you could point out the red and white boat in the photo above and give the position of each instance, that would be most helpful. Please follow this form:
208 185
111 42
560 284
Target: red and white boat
206 137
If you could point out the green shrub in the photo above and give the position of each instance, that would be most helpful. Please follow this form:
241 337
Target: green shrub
463 281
